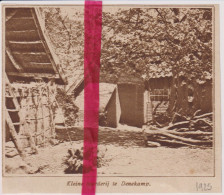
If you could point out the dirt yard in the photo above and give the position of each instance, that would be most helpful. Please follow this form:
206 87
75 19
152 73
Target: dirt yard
125 154
124 161
157 161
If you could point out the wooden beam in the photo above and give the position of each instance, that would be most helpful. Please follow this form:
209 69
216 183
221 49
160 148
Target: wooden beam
14 63
47 67
29 53
28 57
23 18
24 35
40 64
25 42
22 24
14 99
21 31
26 46
14 136
21 12
47 44
33 75
9 16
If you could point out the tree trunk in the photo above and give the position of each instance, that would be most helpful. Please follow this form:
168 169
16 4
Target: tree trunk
183 97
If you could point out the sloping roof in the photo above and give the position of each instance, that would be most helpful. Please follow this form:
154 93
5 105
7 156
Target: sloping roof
130 79
159 71
105 92
79 80
28 49
155 71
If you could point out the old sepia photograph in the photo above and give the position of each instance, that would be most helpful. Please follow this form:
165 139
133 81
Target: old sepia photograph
157 92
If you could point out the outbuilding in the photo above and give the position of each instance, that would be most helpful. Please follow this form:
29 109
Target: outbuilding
109 108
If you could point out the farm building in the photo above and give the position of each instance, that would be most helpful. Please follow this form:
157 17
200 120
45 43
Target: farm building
157 86
109 108
191 96
141 99
119 103
109 105
32 71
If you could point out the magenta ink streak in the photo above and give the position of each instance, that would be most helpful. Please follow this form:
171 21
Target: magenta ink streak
92 52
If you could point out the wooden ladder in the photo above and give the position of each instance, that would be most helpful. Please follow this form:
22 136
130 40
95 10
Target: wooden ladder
12 106
12 118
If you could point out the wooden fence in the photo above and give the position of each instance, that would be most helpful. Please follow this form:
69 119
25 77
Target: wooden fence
34 120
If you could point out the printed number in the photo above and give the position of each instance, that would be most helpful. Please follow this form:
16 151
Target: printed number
203 186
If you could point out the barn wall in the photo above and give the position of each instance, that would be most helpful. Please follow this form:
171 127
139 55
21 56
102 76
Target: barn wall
132 103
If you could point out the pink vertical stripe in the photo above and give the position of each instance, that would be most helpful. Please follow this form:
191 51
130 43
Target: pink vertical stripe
92 51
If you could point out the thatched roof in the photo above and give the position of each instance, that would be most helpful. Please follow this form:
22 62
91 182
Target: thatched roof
159 71
29 54
105 93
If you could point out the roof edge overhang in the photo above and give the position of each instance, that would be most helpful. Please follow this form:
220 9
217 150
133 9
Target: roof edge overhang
61 78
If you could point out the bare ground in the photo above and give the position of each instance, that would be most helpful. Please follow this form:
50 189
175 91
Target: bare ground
157 161
125 154
119 160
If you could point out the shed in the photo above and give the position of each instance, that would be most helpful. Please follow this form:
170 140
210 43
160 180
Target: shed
192 95
109 109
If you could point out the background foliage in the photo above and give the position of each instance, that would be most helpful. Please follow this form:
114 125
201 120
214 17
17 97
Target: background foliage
142 42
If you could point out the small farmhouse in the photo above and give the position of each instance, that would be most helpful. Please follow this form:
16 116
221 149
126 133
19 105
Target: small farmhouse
192 95
142 99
